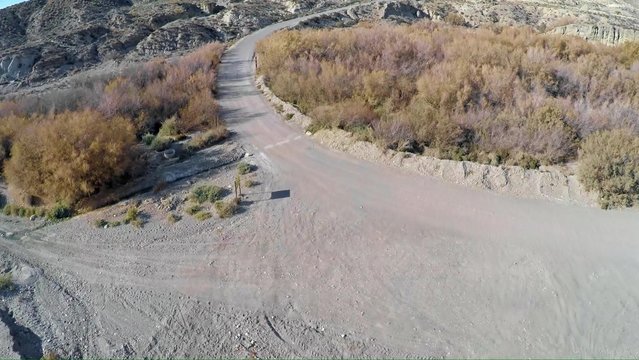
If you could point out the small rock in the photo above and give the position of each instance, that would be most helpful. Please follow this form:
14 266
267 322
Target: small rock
343 335
309 133
33 217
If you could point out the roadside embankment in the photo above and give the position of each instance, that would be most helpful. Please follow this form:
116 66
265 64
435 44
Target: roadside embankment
547 182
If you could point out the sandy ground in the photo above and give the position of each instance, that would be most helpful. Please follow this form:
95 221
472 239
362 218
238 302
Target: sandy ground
361 260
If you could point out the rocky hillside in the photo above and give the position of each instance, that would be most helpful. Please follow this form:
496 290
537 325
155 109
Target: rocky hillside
44 40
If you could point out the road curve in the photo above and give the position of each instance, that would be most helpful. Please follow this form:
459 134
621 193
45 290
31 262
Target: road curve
426 267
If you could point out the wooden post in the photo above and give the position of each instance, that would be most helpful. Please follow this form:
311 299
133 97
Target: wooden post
238 186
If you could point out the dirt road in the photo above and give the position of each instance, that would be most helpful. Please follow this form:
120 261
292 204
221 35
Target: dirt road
348 259
435 268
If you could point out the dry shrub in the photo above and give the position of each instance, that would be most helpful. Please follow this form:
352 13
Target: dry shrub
121 97
9 108
629 53
9 127
609 164
500 95
67 144
207 138
226 209
345 115
455 19
70 155
201 111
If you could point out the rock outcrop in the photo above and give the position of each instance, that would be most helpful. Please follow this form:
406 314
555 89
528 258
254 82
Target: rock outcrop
607 34
44 40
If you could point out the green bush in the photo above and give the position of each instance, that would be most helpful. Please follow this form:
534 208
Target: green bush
203 193
201 216
100 223
169 128
148 138
161 143
133 217
60 211
193 209
226 209
526 161
609 164
15 210
250 183
243 168
6 282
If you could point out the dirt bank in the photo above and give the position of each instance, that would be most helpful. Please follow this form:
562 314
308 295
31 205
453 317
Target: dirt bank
548 182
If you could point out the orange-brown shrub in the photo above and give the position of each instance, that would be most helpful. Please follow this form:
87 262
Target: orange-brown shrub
9 127
70 155
67 144
201 111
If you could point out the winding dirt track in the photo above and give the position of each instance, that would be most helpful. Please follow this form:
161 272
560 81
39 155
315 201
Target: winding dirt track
434 268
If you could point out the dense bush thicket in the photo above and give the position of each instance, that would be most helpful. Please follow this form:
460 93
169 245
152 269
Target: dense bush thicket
70 155
610 165
67 145
499 95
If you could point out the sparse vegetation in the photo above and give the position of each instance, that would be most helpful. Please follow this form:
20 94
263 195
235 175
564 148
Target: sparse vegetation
193 209
498 95
226 209
49 355
101 223
203 193
172 218
207 138
133 217
203 215
16 210
244 168
250 183
6 282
